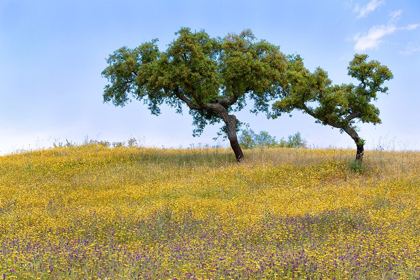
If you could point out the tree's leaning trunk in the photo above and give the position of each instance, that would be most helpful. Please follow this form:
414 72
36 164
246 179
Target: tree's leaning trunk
230 122
359 143
233 139
236 148
360 151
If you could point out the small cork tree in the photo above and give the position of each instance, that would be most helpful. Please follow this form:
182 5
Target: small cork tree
339 106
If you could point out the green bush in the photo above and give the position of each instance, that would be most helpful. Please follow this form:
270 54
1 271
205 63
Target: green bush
249 140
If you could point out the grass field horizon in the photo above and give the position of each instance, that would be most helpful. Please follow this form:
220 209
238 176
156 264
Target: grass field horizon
94 212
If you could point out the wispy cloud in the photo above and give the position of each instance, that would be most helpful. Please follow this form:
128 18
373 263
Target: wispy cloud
412 26
410 49
374 37
395 15
368 8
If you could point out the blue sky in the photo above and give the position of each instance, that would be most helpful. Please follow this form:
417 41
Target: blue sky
52 54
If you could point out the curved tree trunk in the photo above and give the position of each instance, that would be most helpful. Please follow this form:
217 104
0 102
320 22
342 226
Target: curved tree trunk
230 122
233 139
360 152
359 143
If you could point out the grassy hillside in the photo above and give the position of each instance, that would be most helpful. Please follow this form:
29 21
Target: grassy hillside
91 212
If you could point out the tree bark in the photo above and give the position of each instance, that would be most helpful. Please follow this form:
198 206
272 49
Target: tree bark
234 144
230 122
360 152
359 143
233 139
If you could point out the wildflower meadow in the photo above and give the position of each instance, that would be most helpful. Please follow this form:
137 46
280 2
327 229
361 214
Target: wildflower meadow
95 212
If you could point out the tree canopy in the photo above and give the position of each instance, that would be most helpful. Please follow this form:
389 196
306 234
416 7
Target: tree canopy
213 77
339 106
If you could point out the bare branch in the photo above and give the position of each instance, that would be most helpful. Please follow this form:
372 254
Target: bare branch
353 116
187 101
228 101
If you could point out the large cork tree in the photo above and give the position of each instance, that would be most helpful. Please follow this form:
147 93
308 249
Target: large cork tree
339 106
213 77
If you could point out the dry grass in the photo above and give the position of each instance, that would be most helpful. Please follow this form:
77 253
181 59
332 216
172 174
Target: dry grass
125 213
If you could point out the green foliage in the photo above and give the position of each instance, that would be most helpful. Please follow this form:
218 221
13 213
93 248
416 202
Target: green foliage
68 144
335 105
294 141
339 106
360 142
199 71
118 144
249 140
357 167
132 142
